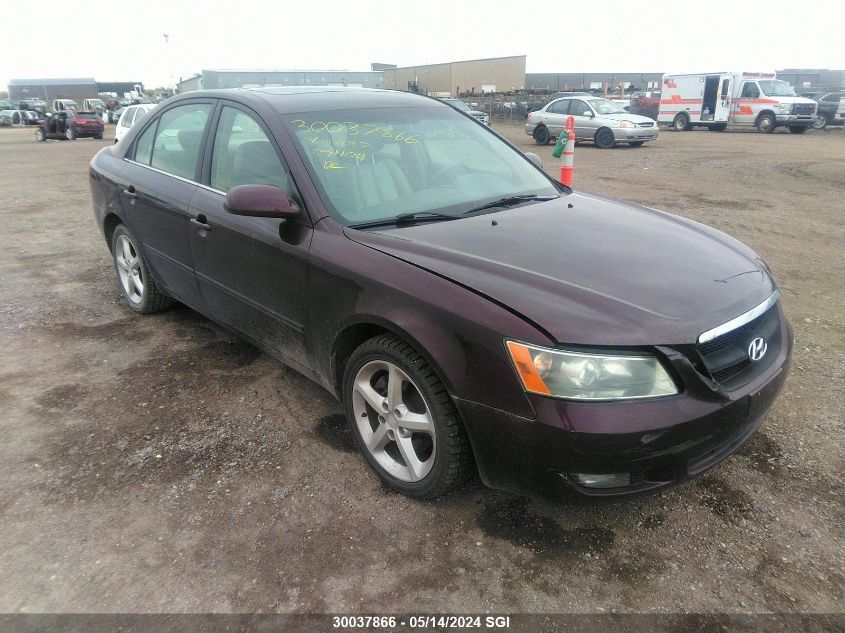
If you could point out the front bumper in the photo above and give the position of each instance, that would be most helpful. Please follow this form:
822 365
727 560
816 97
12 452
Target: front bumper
657 442
636 134
795 119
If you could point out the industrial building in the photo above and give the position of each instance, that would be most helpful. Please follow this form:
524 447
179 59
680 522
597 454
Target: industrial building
592 81
74 88
211 79
475 76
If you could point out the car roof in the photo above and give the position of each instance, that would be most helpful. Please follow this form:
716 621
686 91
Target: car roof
316 98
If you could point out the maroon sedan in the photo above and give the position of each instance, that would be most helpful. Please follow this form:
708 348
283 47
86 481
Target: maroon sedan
70 125
467 310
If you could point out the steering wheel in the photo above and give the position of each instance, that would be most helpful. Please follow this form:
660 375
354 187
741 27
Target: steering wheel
441 174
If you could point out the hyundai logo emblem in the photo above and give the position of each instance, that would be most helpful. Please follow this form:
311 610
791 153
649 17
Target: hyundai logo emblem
757 348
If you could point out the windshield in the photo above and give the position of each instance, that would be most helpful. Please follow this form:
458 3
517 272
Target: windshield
374 164
457 103
776 88
606 106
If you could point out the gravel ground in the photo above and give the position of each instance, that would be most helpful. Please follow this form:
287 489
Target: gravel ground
157 464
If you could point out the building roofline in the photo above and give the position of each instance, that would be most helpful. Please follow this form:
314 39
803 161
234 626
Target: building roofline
460 61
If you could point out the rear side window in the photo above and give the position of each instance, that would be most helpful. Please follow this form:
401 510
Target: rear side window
127 118
144 145
559 107
178 137
243 155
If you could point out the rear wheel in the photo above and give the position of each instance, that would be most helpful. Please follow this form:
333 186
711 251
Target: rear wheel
766 123
798 129
40 135
604 138
681 123
99 137
542 135
140 290
70 134
820 122
404 420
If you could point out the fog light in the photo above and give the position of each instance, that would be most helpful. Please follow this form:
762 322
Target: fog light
612 480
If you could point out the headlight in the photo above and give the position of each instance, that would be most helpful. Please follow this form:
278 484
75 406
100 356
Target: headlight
627 124
589 376
785 108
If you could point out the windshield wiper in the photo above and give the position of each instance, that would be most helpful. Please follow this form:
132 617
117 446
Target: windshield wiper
407 218
509 201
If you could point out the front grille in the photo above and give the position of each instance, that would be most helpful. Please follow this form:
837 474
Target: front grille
726 357
650 124
803 108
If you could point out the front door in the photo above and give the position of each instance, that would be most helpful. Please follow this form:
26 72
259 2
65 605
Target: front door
251 271
160 181
585 119
555 116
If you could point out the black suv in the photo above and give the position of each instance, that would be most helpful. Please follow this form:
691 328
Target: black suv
828 105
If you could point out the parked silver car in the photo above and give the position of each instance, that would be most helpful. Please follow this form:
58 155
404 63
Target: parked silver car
463 107
599 120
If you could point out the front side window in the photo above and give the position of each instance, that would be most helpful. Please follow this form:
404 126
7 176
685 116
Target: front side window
374 164
578 108
127 118
178 137
750 90
243 155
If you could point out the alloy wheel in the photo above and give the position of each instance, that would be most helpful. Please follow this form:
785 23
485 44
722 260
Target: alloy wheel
394 421
129 269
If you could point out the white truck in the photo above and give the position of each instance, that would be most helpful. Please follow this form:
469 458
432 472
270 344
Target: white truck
715 100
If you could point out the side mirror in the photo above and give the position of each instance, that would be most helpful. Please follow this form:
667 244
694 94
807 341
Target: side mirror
587 113
534 159
263 201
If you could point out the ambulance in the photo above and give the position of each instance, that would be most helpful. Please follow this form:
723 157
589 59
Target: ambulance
716 100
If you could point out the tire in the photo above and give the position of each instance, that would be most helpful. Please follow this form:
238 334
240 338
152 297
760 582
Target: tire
719 127
99 137
542 135
70 134
820 122
636 143
766 123
439 452
798 129
40 135
129 264
681 123
604 138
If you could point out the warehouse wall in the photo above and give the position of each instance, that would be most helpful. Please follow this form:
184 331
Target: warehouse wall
504 73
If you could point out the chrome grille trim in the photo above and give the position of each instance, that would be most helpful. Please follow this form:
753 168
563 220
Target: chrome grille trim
741 320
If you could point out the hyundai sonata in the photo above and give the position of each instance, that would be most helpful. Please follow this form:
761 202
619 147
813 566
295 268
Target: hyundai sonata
467 310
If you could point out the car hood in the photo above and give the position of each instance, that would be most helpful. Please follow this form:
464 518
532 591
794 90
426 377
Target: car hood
791 100
626 116
589 270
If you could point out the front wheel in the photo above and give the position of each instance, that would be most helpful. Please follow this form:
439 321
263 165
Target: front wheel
820 122
681 123
542 135
766 123
138 287
404 420
604 138
70 134
40 135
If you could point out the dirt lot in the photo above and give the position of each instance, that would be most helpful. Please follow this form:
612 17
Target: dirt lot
158 464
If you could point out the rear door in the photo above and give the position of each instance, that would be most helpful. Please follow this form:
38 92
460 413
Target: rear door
251 271
161 176
555 116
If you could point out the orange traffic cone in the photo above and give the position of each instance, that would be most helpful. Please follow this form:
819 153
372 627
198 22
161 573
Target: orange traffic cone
567 159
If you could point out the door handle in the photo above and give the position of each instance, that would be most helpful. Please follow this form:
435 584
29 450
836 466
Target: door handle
200 223
129 192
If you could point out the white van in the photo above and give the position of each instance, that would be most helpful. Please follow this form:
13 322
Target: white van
715 100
